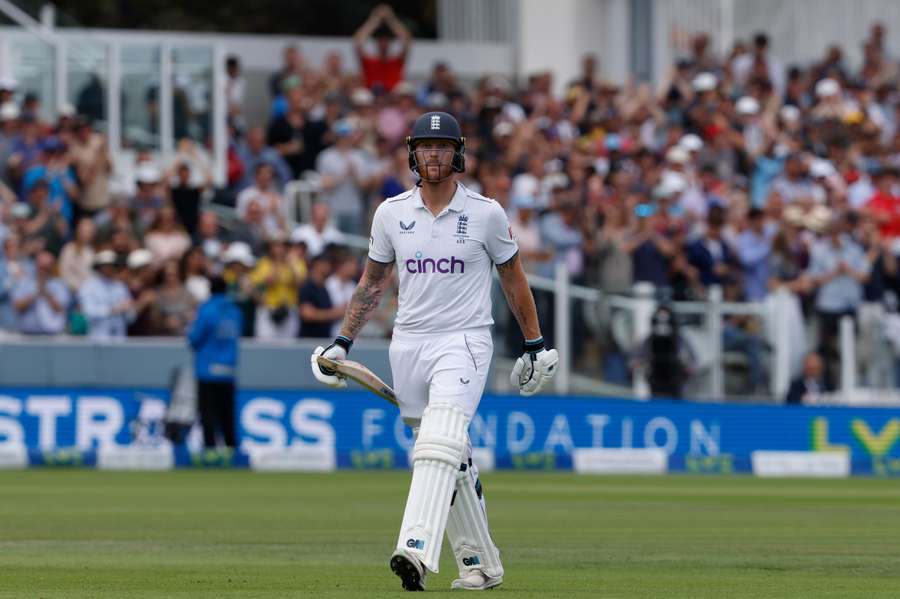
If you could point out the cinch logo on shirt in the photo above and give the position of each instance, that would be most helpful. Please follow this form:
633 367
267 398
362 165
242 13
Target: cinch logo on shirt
420 265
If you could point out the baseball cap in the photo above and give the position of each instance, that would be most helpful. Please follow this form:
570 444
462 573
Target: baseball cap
704 82
139 258
821 168
9 111
8 84
789 112
239 252
827 87
20 210
748 105
691 142
677 155
147 173
105 258
362 97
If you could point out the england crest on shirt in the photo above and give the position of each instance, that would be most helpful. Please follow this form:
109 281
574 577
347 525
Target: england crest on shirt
462 228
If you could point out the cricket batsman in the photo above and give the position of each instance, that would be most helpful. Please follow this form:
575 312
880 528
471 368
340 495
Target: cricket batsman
444 240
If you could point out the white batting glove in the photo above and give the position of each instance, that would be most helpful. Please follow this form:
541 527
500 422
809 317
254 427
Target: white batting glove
535 368
336 351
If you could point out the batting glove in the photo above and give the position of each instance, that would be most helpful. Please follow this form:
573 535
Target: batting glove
535 368
338 351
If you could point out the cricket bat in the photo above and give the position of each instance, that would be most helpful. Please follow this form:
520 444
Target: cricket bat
359 373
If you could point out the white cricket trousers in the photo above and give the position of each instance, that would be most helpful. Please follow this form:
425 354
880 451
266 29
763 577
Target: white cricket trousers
435 368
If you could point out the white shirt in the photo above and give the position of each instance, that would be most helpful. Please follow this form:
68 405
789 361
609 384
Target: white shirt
265 198
316 242
345 197
40 318
444 263
98 297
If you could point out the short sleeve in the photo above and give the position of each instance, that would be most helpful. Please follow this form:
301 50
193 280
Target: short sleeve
498 237
380 247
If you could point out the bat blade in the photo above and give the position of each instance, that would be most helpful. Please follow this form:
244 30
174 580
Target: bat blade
362 375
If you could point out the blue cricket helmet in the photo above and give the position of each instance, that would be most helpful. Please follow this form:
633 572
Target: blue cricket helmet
437 125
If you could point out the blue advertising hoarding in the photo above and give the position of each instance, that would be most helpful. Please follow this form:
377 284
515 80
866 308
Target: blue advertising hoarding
363 431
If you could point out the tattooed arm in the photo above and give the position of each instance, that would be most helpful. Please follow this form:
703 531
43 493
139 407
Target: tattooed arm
366 297
518 295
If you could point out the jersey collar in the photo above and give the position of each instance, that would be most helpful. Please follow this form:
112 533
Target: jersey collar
457 202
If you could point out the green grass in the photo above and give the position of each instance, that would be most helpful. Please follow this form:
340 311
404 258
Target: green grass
224 534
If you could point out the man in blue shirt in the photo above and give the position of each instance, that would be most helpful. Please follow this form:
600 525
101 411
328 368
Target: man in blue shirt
214 338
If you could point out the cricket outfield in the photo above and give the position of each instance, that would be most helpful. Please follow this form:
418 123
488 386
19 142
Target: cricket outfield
231 533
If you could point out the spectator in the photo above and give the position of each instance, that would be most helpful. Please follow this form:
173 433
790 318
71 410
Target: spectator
214 337
812 384
345 178
288 134
105 300
117 217
265 193
251 230
78 255
561 233
195 265
650 248
15 268
186 198
794 184
45 227
209 235
41 301
167 239
754 246
141 279
148 199
277 278
253 151
26 150
341 284
382 70
711 255
174 303
238 260
319 233
614 273
837 270
318 314
90 158
235 87
53 168
292 66
884 205
9 131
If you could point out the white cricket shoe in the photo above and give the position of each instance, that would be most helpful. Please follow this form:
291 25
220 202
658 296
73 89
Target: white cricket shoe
410 570
476 580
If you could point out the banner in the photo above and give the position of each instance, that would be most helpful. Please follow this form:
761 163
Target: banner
349 429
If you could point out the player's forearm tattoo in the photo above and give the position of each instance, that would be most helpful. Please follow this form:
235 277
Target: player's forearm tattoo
365 298
519 297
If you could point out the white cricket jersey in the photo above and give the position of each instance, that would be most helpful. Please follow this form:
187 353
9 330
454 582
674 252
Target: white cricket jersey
444 262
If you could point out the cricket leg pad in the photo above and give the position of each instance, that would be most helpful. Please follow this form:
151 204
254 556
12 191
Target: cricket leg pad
437 453
467 527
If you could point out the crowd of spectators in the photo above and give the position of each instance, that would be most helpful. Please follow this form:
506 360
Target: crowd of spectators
736 170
